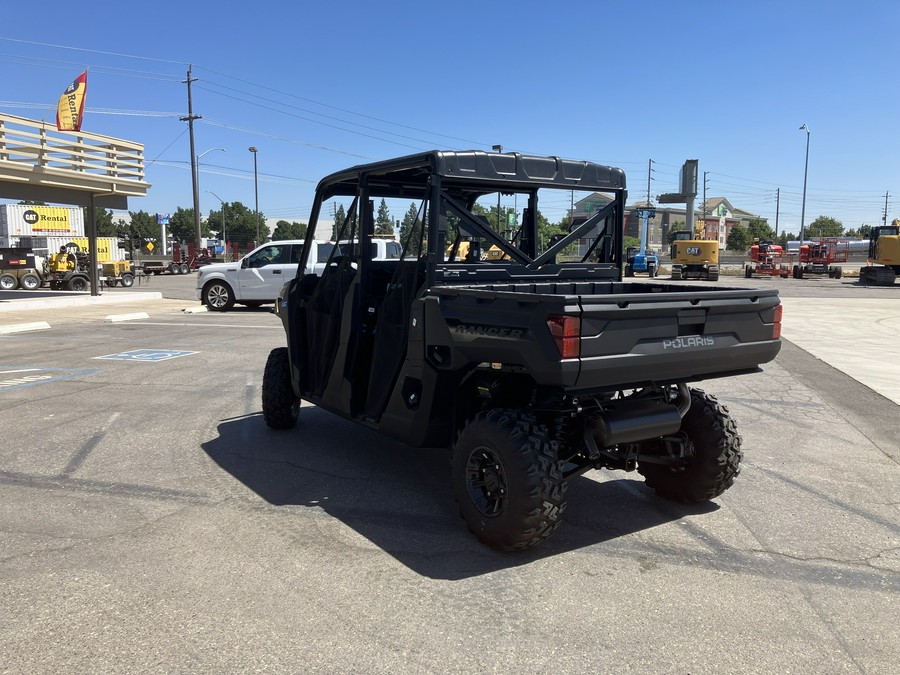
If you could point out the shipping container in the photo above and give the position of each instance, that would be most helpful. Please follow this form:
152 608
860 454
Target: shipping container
107 247
27 220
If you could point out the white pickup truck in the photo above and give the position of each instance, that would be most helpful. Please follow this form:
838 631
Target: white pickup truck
257 278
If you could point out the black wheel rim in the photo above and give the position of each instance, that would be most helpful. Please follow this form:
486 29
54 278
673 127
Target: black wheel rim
486 482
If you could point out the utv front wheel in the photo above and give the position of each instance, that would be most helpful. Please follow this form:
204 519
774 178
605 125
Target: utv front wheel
508 480
710 459
280 406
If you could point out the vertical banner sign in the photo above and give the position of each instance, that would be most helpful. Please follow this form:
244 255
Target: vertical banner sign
70 109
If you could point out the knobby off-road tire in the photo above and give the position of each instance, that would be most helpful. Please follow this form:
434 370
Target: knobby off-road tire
507 479
280 407
714 447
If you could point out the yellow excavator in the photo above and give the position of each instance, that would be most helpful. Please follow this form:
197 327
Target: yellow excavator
468 251
884 256
693 257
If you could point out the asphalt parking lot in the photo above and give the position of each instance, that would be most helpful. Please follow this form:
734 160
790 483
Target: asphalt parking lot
152 522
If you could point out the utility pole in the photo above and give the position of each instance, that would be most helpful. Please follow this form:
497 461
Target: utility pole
884 216
190 120
777 205
649 172
704 205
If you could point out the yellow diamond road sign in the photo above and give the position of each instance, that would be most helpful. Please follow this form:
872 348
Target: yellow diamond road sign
149 245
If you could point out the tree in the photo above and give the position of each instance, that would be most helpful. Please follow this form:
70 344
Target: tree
181 225
104 221
384 224
863 232
825 226
785 237
285 230
339 217
240 224
759 229
144 225
739 239
411 231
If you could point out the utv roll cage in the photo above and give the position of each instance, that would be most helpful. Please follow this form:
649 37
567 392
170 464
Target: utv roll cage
449 183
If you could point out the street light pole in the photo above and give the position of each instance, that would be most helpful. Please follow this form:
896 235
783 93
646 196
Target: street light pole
224 236
252 149
197 187
805 171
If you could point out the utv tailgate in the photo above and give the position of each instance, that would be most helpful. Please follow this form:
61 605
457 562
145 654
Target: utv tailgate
632 334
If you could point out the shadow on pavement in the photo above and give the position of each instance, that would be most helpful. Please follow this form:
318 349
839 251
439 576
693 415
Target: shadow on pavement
400 498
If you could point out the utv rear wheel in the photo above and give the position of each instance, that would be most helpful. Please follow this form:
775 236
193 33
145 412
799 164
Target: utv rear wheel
712 455
508 480
280 406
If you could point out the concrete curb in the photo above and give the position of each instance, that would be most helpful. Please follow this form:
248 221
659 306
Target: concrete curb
79 301
24 327
133 316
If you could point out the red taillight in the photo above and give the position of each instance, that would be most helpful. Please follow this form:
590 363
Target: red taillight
566 332
776 326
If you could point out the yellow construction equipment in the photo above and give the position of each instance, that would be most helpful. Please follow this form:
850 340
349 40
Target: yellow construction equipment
884 256
694 258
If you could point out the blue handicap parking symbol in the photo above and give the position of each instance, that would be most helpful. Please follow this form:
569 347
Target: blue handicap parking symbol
146 355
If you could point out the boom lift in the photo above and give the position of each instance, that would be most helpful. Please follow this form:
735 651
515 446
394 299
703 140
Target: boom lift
768 260
639 259
818 257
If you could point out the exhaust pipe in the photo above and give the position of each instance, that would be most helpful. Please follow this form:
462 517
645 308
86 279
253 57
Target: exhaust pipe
640 420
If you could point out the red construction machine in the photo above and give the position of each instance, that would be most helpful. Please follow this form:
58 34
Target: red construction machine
769 260
820 256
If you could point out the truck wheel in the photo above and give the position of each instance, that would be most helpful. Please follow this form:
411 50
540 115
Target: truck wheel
712 448
127 280
748 271
838 272
77 284
30 282
8 282
184 268
507 479
217 295
174 268
280 406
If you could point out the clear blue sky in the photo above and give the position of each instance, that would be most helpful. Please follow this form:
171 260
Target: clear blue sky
318 86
